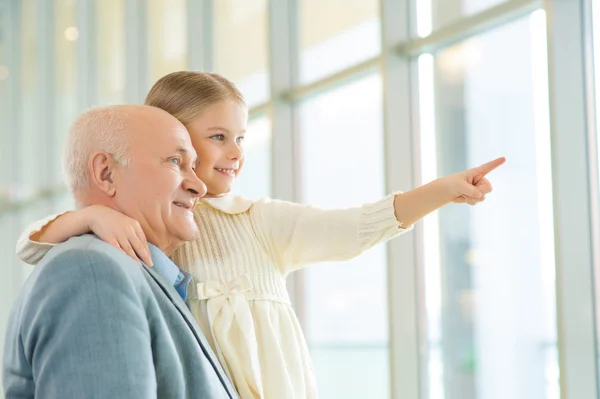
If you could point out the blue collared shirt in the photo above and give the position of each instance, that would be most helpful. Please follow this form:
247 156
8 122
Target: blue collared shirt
170 271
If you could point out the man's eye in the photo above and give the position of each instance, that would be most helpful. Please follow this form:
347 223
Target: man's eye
176 161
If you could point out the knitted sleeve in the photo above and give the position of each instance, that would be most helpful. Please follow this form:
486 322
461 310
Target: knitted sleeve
299 235
32 252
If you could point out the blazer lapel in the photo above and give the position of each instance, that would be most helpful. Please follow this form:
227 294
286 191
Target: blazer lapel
176 300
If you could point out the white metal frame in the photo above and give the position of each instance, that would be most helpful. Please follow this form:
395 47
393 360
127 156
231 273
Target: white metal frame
283 46
572 198
468 26
45 104
402 270
11 109
87 65
200 34
136 51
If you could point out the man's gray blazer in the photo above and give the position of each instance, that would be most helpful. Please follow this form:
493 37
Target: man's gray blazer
92 323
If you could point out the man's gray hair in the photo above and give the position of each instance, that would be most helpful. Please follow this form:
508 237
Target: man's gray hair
98 129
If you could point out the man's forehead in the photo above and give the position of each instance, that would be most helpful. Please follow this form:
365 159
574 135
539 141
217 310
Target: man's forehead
166 140
180 142
173 134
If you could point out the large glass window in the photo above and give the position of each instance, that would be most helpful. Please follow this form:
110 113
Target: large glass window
241 46
346 310
335 34
489 278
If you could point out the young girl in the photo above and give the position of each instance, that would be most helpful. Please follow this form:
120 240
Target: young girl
247 248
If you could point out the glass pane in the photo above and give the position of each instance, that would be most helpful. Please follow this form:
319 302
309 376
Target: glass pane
255 178
241 46
489 270
596 43
110 47
10 280
65 96
7 80
167 37
30 177
62 202
346 308
449 11
9 273
335 34
352 371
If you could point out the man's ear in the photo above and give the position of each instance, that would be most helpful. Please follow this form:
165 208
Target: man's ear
103 173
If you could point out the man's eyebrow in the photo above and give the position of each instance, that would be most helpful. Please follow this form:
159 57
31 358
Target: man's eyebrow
193 158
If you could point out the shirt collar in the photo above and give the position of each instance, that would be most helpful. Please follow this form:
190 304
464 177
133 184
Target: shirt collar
169 270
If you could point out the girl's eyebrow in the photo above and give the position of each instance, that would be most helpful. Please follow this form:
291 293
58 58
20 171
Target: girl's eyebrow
222 129
218 128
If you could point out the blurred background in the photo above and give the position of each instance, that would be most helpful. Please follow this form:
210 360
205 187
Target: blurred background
350 100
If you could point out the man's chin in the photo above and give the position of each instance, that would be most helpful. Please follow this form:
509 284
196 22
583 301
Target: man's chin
190 235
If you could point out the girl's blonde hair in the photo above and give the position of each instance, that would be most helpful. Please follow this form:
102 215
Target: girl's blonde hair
186 94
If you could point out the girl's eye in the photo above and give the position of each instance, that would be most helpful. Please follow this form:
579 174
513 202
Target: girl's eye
219 137
240 140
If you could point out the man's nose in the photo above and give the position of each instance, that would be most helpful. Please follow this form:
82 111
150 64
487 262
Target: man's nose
194 185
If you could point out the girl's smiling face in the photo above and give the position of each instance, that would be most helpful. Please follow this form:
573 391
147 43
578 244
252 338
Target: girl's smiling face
217 135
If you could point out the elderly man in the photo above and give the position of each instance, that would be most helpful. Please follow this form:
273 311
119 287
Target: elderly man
90 321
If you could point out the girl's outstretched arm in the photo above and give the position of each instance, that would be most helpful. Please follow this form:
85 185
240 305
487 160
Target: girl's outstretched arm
297 235
469 186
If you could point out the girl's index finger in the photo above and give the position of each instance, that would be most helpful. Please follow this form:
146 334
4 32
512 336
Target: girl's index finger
490 166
